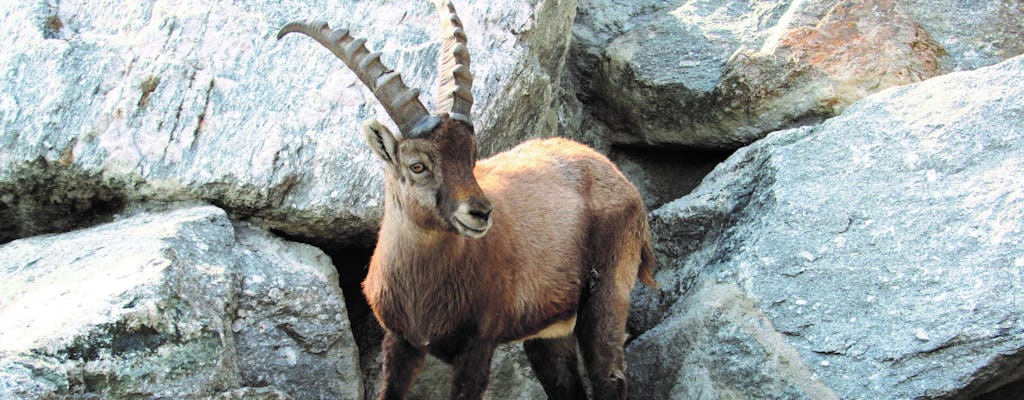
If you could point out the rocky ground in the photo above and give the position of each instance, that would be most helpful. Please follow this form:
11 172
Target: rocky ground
835 189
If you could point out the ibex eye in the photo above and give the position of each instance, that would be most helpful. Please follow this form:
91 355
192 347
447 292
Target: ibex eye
418 168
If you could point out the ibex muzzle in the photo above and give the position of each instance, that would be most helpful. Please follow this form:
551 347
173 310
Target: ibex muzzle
460 200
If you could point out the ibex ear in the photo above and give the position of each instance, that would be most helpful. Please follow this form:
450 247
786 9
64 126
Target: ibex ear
380 139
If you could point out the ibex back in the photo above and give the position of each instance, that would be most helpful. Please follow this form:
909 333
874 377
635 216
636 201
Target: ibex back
540 244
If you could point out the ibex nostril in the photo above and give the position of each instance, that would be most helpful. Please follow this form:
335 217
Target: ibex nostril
480 208
480 214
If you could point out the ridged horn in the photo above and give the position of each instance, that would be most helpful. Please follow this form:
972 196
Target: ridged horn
401 102
455 81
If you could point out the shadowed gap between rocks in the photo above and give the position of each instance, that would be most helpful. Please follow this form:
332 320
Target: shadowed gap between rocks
40 197
663 174
1012 386
1011 391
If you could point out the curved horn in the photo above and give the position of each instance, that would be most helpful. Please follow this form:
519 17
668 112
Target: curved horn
455 81
401 102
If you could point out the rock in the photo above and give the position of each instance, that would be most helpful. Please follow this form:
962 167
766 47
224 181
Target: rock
873 256
250 393
132 307
291 326
973 35
720 75
511 378
718 344
106 105
151 305
657 74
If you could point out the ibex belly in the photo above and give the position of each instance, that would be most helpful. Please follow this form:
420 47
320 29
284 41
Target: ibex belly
556 329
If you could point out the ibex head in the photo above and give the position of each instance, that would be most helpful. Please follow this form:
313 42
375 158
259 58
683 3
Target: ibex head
430 163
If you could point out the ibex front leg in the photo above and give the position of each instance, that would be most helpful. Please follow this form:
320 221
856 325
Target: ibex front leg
471 371
402 361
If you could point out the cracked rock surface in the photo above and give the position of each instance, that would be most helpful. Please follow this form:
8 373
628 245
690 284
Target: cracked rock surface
197 100
720 75
176 304
876 255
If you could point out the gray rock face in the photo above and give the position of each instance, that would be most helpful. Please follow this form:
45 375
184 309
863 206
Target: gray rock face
188 101
291 328
171 304
973 35
874 256
720 75
659 76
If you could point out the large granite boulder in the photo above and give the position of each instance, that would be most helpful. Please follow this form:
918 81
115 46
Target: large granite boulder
876 255
107 103
720 75
175 304
291 325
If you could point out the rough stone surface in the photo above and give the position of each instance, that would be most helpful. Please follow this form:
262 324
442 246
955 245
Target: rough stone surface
973 34
291 328
107 103
873 256
720 75
164 304
250 393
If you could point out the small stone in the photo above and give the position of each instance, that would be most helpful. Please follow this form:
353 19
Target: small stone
806 255
289 354
922 335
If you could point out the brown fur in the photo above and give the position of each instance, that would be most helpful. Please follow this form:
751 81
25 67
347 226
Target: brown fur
568 236
541 243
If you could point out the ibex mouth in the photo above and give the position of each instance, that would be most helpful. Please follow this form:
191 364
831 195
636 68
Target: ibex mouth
473 217
470 226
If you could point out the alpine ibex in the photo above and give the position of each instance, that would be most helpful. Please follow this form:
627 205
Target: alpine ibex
535 244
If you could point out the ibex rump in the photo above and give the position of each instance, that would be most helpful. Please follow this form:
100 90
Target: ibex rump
535 244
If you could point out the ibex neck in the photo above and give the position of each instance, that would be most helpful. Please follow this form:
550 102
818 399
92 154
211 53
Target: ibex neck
401 229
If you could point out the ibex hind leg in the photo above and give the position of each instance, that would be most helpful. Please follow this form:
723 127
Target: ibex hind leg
602 335
601 327
554 363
